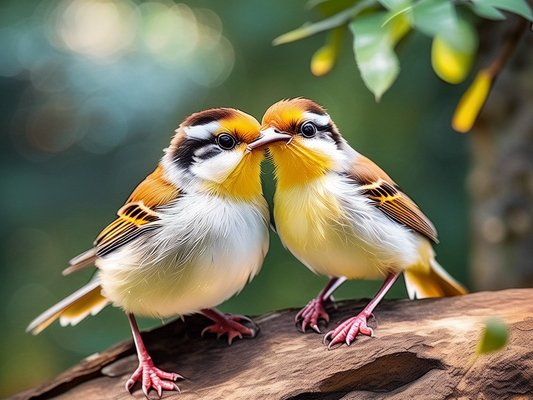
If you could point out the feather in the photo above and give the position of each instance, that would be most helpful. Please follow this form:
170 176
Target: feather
139 214
384 194
86 300
82 261
432 282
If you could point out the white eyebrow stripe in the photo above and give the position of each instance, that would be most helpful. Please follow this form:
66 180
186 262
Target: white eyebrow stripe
318 119
202 132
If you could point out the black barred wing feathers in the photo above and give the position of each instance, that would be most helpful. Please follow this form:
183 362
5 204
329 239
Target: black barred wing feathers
387 197
134 219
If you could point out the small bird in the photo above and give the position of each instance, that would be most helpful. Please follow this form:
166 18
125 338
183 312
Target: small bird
190 236
342 216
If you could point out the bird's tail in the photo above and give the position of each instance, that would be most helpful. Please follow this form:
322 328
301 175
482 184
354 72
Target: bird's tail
71 310
431 281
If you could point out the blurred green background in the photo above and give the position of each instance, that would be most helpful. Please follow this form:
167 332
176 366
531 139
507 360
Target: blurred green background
91 92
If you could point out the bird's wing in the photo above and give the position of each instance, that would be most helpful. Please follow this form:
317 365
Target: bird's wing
377 186
138 215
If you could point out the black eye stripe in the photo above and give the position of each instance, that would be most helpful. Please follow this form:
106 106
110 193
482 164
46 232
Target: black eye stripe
184 153
207 151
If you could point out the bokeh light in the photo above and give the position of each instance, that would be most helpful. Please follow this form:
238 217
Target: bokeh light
91 63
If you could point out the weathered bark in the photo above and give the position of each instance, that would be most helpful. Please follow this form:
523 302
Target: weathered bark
501 180
423 349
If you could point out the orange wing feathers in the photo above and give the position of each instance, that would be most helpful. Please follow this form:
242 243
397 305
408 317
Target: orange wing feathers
140 209
387 196
155 191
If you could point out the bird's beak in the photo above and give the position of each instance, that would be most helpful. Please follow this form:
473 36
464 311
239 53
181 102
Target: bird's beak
270 135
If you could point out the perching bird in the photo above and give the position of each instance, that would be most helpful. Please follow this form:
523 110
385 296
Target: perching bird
190 236
342 216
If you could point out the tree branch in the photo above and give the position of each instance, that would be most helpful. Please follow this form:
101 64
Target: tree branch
421 349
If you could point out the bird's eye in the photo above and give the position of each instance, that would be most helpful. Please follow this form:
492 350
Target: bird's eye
308 130
225 141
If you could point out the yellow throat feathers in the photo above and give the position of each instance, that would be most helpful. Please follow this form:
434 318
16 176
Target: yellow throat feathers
296 164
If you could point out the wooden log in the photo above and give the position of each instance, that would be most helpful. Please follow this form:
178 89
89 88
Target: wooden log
422 349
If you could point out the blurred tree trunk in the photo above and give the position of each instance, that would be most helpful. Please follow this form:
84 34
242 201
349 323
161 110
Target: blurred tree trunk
501 180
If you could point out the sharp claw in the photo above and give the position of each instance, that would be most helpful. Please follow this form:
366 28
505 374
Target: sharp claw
145 391
129 384
176 387
315 328
326 336
159 391
244 317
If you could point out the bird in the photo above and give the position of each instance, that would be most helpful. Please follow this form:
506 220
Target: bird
342 216
190 236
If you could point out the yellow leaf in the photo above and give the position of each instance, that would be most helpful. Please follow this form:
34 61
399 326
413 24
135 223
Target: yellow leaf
325 57
471 102
448 63
323 61
400 27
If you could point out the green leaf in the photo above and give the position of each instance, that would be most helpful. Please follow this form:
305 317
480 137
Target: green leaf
374 50
519 7
487 12
494 337
433 17
334 21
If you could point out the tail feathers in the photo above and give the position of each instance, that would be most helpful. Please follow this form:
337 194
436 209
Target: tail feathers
82 261
72 309
435 282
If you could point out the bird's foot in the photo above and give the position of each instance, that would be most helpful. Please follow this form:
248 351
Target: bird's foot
229 323
152 377
348 330
311 313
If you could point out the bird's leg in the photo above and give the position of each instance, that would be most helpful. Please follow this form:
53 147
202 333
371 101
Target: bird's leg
314 310
149 375
348 330
227 323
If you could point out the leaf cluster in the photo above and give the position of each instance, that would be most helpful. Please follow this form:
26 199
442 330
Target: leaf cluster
377 26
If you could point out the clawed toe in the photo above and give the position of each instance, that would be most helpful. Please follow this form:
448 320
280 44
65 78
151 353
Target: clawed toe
229 324
347 331
311 314
152 377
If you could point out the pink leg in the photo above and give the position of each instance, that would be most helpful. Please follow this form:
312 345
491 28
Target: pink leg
147 373
348 330
314 310
227 323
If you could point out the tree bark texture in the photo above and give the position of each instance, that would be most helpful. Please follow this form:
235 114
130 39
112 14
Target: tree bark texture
501 179
422 349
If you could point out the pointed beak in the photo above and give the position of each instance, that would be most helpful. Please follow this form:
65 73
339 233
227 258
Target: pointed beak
268 136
